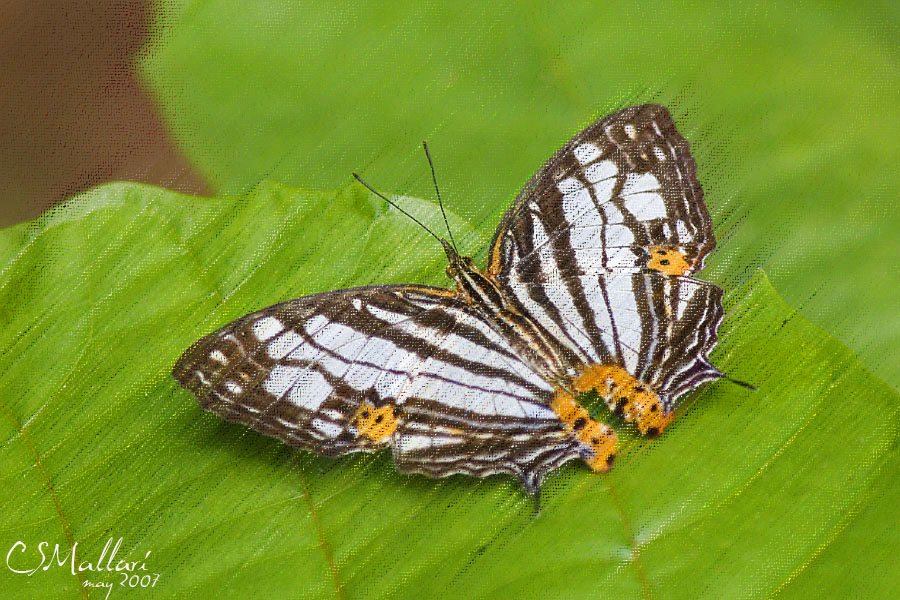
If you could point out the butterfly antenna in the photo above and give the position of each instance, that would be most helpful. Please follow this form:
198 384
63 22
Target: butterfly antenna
749 386
438 192
395 205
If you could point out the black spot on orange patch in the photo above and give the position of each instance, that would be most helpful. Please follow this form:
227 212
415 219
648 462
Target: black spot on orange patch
376 424
599 437
626 396
668 261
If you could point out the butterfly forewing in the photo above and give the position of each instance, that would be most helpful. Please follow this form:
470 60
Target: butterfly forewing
621 189
402 366
301 369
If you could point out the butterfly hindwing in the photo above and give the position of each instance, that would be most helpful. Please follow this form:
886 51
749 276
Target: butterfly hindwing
474 407
622 194
658 328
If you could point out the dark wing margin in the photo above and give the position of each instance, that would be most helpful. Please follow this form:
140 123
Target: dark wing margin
406 367
619 189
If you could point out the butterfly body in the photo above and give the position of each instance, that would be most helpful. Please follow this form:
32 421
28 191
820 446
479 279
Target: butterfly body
587 288
481 291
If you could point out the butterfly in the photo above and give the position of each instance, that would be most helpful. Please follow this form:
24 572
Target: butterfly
588 288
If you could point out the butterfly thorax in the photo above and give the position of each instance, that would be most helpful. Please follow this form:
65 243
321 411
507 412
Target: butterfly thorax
485 294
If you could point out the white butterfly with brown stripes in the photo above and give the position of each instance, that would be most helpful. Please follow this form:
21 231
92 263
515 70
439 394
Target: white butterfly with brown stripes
587 287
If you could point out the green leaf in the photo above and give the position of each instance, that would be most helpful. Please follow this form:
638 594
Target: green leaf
790 108
786 492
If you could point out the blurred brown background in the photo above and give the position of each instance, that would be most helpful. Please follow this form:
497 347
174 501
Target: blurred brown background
72 112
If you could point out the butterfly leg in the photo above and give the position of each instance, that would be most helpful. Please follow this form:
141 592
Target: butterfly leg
599 438
625 395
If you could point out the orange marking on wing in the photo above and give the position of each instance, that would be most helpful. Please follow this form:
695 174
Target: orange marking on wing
493 266
668 261
434 291
597 436
375 423
636 401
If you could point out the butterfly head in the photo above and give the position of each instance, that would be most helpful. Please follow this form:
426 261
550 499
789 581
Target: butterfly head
456 264
475 287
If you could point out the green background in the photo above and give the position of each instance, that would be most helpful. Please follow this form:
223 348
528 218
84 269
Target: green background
791 108
788 492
